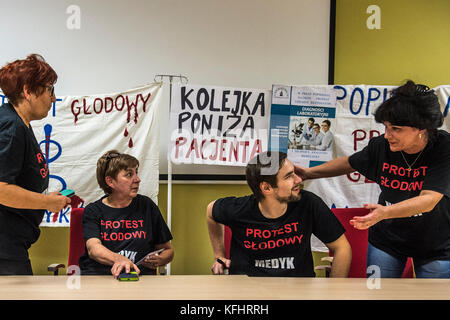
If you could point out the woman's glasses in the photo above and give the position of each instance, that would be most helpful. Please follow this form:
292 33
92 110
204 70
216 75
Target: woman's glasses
50 89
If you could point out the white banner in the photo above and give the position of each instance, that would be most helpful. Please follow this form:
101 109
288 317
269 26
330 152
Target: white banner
79 129
218 125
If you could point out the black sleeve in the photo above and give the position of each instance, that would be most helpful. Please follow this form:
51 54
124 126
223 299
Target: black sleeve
326 225
160 230
219 210
91 222
12 149
225 210
437 177
366 160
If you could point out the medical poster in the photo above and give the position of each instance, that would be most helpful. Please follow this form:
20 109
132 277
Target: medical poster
302 123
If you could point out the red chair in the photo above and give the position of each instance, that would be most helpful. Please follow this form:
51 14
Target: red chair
76 241
358 240
227 241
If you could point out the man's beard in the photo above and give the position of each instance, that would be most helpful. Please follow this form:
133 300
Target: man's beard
291 198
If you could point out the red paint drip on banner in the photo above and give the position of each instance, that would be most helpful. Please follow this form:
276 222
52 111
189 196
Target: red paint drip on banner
80 107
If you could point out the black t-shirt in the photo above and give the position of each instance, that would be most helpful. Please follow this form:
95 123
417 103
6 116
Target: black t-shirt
132 231
278 247
23 164
425 236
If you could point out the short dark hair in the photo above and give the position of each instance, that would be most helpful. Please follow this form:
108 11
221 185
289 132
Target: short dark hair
264 168
32 72
327 122
412 105
110 164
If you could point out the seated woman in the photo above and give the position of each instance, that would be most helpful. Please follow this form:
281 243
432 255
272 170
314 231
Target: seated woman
123 226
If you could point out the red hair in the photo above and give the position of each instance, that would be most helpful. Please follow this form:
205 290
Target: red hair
32 72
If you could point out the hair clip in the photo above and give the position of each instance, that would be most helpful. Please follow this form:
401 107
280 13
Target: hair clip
423 89
112 156
108 158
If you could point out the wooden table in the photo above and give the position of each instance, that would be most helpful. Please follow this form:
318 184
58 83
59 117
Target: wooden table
219 288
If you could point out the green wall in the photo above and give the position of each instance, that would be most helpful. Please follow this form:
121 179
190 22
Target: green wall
193 253
51 247
413 43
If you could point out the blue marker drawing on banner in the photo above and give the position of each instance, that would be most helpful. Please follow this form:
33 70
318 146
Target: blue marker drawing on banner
47 142
374 96
447 107
54 107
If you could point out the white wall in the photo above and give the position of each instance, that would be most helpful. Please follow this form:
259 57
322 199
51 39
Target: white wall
124 44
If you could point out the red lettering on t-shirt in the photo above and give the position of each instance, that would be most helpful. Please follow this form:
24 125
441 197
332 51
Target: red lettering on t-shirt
395 171
122 226
44 171
39 157
264 239
121 236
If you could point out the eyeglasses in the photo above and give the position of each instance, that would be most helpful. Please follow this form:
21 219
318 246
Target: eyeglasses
50 89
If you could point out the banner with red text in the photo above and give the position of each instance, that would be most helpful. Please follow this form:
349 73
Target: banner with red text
80 129
218 125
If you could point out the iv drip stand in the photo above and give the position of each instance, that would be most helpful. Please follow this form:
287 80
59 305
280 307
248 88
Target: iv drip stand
182 79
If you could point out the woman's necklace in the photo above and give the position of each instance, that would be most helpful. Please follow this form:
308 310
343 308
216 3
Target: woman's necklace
410 165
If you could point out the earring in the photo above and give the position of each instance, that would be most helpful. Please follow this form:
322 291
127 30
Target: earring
420 136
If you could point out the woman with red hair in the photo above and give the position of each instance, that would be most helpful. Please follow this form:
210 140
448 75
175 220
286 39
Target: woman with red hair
28 85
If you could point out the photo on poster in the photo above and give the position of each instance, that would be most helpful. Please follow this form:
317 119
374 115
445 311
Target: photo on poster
302 123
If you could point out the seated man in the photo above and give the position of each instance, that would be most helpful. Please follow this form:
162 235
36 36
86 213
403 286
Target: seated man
271 229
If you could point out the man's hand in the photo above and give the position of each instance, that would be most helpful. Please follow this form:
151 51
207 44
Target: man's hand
219 268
